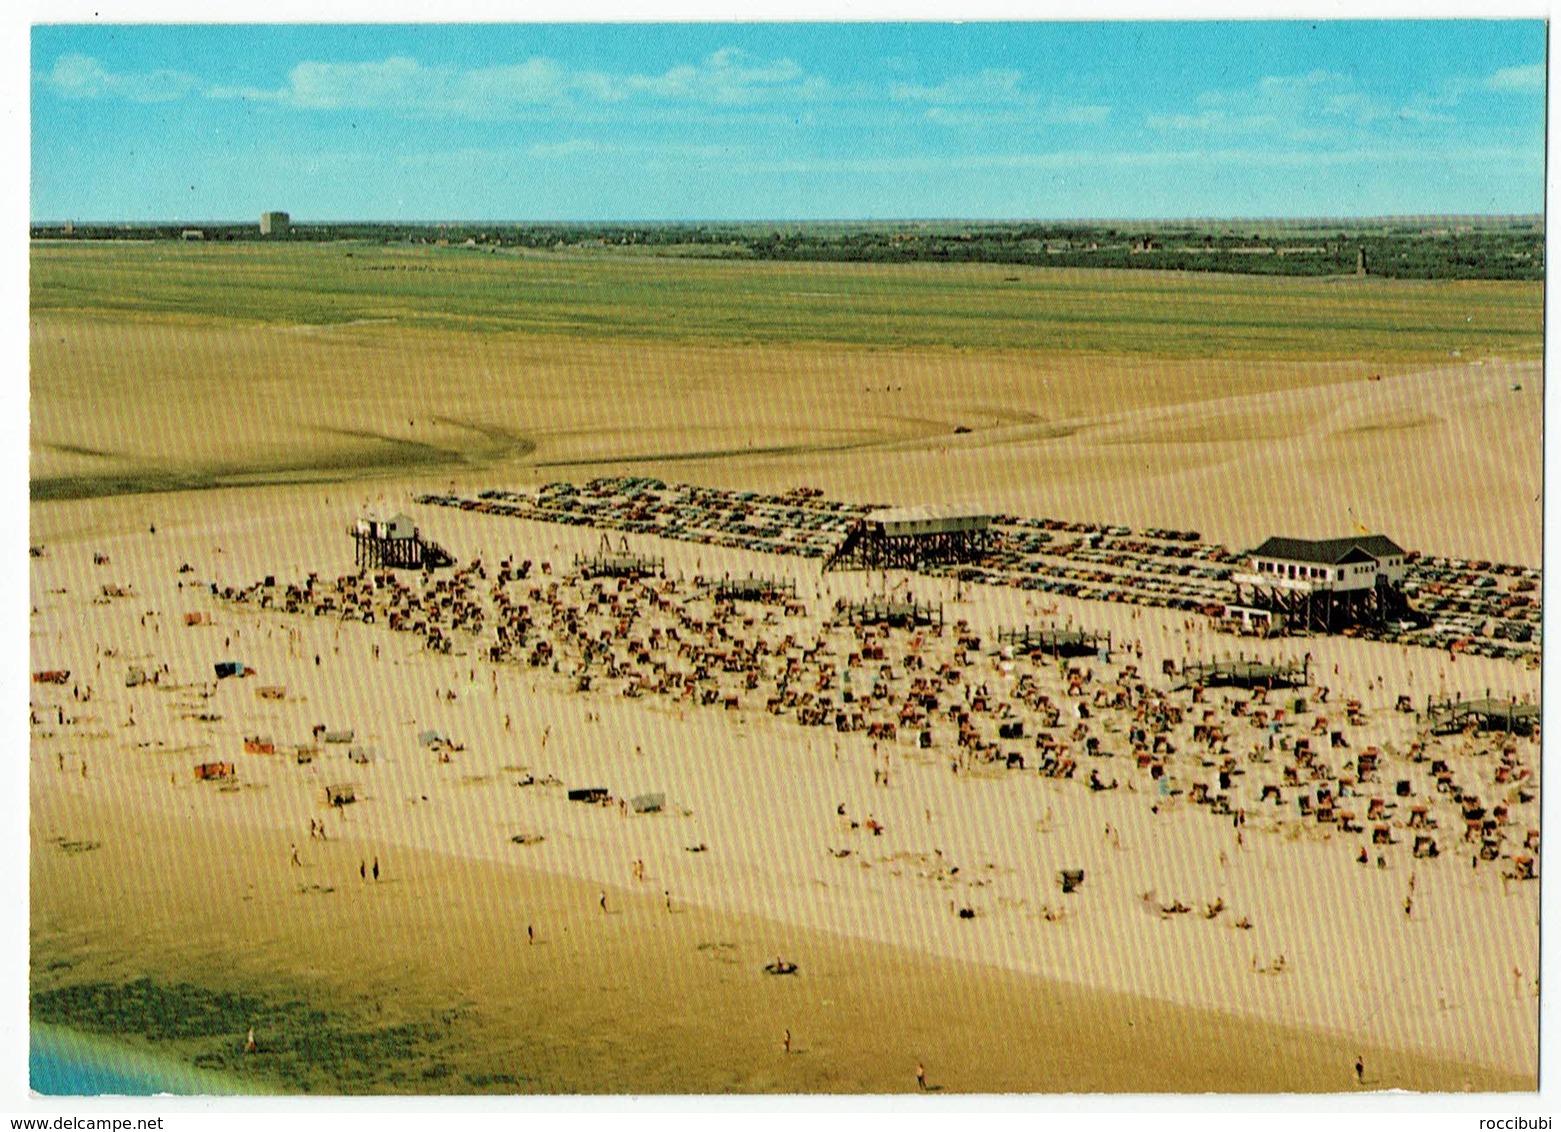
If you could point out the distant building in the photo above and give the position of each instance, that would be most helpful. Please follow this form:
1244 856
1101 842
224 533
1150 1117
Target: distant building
397 527
1334 564
275 223
394 540
1321 585
192 234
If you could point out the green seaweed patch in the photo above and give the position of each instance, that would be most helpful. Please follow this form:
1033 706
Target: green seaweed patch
297 1047
495 1081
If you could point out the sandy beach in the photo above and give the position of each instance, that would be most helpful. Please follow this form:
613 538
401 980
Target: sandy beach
424 980
966 557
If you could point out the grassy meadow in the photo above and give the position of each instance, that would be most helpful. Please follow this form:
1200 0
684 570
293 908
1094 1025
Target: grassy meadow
964 307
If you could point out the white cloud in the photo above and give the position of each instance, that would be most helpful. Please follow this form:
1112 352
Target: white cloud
992 97
81 76
1529 77
726 78
589 147
1054 114
1210 121
403 85
1317 107
1515 160
985 88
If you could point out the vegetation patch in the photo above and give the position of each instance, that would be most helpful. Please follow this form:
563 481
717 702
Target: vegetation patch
954 305
298 1047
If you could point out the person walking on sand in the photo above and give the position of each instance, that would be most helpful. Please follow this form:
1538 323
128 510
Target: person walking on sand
667 896
1360 1070
921 1076
375 868
786 1042
297 864
602 900
363 869
531 935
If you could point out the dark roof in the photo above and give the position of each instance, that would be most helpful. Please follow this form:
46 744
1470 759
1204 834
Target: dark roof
1329 551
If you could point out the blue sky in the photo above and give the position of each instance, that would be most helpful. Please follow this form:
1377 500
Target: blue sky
787 121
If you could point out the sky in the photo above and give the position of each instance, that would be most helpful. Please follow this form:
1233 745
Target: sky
732 121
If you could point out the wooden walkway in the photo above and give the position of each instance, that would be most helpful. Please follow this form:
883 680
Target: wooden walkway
1447 717
1243 673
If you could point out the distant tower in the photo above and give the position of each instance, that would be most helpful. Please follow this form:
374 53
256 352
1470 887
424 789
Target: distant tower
274 223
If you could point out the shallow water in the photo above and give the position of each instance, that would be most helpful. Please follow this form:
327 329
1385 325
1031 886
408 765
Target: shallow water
63 1063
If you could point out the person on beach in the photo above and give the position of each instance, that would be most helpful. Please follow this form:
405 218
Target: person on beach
667 896
375 868
1360 1070
602 900
531 935
921 1076
363 870
786 1042
297 864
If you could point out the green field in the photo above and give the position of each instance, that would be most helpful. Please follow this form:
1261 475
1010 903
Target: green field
966 307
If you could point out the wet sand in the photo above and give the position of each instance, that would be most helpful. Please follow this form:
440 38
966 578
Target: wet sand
636 1000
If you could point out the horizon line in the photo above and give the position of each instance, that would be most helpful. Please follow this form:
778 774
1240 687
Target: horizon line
1207 219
